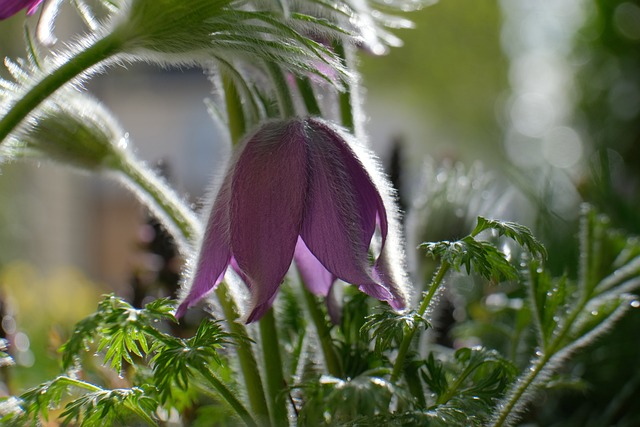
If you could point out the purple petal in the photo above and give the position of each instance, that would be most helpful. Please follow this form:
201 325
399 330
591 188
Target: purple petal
214 253
267 204
315 277
9 8
383 272
368 200
333 228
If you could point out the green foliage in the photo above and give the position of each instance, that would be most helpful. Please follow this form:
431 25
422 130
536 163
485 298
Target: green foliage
176 360
482 257
120 329
521 234
126 334
94 408
387 328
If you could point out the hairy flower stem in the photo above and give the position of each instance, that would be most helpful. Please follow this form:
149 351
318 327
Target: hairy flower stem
235 114
283 91
344 98
97 52
276 384
246 357
227 395
308 97
174 214
331 359
248 364
410 334
552 349
185 227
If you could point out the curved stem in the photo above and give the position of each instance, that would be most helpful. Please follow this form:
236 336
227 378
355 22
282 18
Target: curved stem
408 336
235 114
308 97
344 98
554 347
73 67
331 360
179 220
283 91
246 358
276 384
228 395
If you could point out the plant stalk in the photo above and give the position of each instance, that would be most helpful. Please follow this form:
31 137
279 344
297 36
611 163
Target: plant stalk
228 395
331 360
276 385
176 216
409 335
97 52
246 358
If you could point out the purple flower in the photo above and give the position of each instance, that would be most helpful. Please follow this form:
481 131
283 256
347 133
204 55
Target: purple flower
298 190
9 8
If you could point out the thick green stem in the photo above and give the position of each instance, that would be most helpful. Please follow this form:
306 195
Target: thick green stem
163 202
344 98
408 336
331 359
554 347
97 52
248 364
308 97
188 227
228 396
246 358
276 384
522 387
283 91
235 113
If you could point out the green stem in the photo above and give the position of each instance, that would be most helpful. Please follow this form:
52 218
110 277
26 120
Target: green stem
408 336
344 98
235 113
554 347
227 395
73 67
78 383
308 97
283 91
163 202
276 384
334 367
246 358
248 364
522 387
187 227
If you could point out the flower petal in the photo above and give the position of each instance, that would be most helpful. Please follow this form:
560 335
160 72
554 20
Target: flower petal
383 272
267 204
9 8
333 227
32 6
315 277
370 206
214 254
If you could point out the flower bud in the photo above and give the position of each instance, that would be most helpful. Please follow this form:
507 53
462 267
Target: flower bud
78 133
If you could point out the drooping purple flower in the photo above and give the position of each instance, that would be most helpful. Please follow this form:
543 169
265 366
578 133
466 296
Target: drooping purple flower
8 8
297 190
